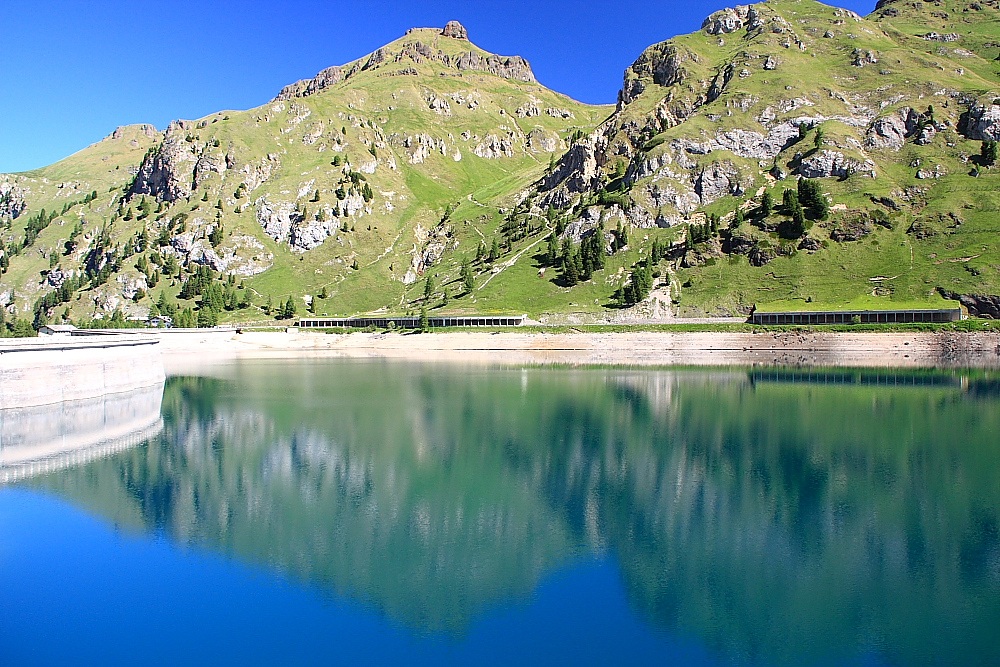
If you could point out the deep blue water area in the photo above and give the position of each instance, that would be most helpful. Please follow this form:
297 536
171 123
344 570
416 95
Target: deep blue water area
345 512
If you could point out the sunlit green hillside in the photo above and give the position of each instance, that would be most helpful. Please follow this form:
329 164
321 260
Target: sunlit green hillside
350 192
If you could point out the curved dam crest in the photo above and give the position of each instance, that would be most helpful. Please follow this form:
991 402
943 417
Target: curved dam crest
40 371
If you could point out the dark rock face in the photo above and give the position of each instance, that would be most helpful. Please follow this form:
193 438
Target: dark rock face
983 122
828 163
456 30
979 305
175 168
507 67
760 256
891 131
717 180
852 230
326 78
167 172
12 202
810 244
661 62
738 244
577 169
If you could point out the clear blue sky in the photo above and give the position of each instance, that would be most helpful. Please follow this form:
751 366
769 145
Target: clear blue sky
73 71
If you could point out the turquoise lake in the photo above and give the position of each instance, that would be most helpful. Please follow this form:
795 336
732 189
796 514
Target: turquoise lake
331 512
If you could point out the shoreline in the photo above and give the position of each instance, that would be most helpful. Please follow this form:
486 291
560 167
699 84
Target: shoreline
912 350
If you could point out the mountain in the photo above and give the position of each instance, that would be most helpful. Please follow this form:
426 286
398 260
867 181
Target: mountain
887 113
351 184
350 189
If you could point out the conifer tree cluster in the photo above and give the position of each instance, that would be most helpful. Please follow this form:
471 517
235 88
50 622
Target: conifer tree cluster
700 233
638 286
812 198
578 263
793 208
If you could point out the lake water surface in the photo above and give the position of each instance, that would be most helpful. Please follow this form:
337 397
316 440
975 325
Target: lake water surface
316 512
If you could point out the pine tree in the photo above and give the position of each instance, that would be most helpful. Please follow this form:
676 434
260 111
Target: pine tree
766 204
424 321
289 311
565 252
552 253
621 237
640 284
428 288
798 225
186 319
571 268
494 250
584 260
207 317
789 201
212 297
599 252
821 207
468 277
216 235
811 197
989 153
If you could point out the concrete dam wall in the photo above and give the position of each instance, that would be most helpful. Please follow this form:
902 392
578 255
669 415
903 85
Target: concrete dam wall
52 369
66 400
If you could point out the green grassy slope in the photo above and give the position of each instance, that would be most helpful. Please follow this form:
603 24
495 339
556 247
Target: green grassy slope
359 185
813 68
436 150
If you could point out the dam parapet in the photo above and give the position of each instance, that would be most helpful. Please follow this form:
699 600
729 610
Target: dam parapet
53 369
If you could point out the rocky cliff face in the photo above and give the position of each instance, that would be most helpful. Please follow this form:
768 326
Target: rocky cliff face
12 203
401 56
687 105
455 30
177 166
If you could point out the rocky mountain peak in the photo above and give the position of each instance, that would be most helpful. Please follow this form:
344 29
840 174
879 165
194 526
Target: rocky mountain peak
125 130
456 30
405 54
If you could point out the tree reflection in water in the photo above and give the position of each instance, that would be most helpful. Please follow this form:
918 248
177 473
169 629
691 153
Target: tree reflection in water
775 516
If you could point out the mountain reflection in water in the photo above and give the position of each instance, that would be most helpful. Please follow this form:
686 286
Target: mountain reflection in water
776 517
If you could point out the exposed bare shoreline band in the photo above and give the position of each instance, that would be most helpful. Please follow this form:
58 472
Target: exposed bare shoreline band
875 350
